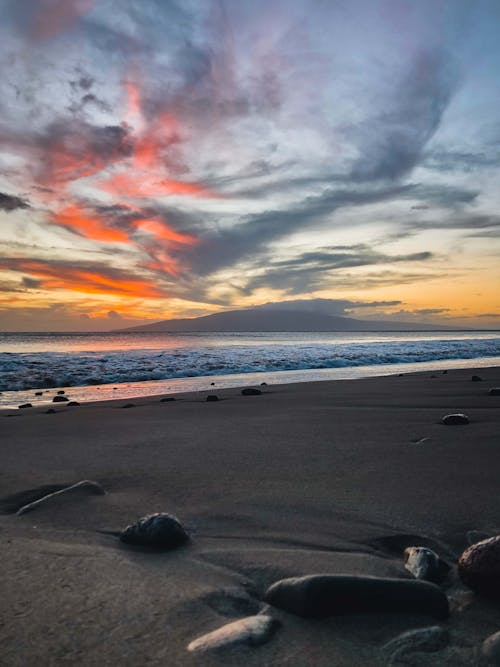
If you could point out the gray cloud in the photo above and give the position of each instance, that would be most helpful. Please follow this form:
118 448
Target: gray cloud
11 202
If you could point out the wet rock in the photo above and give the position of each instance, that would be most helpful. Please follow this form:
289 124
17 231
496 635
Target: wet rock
211 398
61 392
250 391
494 391
491 649
455 419
38 393
59 399
425 564
73 404
322 595
263 384
476 378
431 639
167 399
479 567
24 405
157 531
212 384
249 631
85 487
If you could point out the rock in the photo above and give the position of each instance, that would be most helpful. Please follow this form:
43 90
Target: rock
128 405
72 404
249 631
212 384
211 398
263 384
455 419
86 486
61 392
50 411
250 391
59 399
157 531
479 567
491 649
494 391
322 595
167 399
430 639
476 378
425 564
38 393
25 405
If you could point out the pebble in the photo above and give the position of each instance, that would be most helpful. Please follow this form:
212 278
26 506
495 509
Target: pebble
158 531
430 639
479 567
491 649
425 564
323 595
59 399
250 631
455 419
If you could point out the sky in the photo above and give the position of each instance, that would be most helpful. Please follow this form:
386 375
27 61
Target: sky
163 158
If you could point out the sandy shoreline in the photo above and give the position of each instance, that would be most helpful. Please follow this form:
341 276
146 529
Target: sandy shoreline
305 478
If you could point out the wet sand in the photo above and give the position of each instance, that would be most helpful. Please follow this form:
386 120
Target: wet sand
325 477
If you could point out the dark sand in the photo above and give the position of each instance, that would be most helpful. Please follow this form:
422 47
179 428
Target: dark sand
306 478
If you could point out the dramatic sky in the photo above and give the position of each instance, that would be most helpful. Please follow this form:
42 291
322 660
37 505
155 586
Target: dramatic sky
163 158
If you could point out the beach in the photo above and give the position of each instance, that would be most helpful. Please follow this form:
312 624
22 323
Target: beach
322 477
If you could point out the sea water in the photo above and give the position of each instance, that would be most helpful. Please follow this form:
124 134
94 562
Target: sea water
120 365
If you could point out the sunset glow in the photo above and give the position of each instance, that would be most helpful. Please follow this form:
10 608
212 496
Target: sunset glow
180 160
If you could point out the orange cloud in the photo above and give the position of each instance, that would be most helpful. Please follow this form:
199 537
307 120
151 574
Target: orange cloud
90 279
74 217
51 17
163 232
141 185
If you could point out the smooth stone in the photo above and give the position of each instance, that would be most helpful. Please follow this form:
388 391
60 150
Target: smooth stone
430 639
476 378
167 399
479 567
322 595
25 405
491 649
250 391
87 486
250 631
494 391
455 419
157 531
59 399
72 404
425 564
211 398
61 392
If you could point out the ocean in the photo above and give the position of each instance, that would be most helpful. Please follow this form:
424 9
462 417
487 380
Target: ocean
122 365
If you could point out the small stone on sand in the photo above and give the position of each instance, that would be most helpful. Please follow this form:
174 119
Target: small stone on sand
249 631
38 393
157 531
455 419
211 398
250 391
61 392
25 405
59 399
425 564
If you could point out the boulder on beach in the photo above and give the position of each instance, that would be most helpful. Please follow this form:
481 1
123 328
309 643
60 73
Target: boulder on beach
249 631
59 399
323 595
455 419
157 531
479 567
